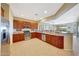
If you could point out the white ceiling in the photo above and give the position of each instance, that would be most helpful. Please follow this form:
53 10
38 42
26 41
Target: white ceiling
70 16
34 11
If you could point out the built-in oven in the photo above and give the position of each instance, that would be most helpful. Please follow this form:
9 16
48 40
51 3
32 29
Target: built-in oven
26 33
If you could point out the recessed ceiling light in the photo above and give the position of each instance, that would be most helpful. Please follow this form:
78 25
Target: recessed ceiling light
41 18
36 14
45 12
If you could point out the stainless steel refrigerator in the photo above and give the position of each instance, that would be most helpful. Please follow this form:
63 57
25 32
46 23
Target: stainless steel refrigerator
4 36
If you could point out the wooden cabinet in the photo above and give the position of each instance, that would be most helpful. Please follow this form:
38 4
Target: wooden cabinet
39 36
33 35
57 41
27 24
33 25
18 37
21 24
48 39
18 24
36 35
15 24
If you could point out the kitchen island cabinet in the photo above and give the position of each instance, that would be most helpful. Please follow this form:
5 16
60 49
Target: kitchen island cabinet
57 41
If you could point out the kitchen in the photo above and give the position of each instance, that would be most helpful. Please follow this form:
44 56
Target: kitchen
53 27
19 23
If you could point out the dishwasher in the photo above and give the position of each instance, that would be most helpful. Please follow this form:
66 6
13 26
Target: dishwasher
43 37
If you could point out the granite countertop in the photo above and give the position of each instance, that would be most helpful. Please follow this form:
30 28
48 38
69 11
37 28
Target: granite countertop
54 33
51 33
17 32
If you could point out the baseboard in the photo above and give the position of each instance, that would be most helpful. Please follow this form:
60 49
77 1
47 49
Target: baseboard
68 49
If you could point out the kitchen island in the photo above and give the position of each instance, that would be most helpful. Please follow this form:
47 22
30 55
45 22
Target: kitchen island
59 40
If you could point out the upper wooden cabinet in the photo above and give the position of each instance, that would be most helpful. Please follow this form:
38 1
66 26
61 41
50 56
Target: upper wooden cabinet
21 24
17 24
33 25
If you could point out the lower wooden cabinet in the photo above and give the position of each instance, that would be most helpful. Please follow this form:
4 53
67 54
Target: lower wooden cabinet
48 39
39 35
18 37
36 35
33 35
57 41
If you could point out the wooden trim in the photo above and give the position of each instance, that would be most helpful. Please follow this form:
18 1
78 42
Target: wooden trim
2 12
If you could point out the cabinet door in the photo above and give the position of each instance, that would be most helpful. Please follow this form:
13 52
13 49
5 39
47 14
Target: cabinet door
15 23
36 35
15 38
39 36
61 42
27 24
33 25
48 39
20 25
33 35
53 40
57 41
